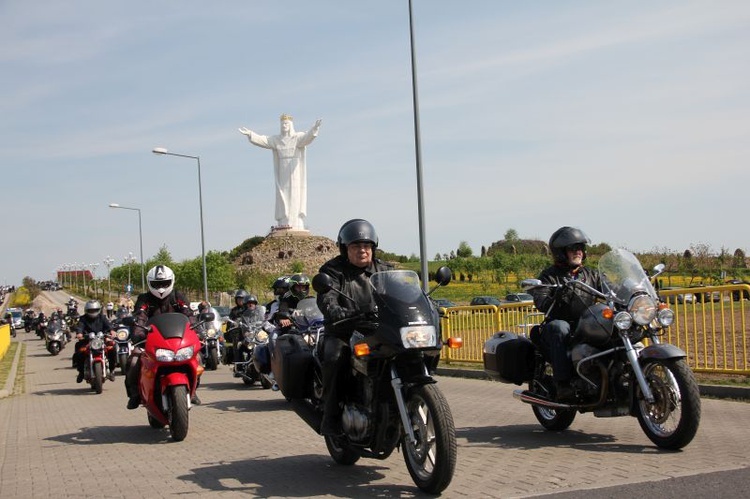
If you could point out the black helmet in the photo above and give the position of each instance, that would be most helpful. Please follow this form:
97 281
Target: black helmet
280 285
251 299
356 230
563 238
240 296
299 285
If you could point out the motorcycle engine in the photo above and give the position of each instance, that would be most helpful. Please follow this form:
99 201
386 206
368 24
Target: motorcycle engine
356 422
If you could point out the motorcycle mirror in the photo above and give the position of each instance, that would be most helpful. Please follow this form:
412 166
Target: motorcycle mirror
658 269
322 283
443 276
206 317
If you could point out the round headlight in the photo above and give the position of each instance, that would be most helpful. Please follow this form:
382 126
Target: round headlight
211 333
122 334
261 336
665 317
643 309
623 321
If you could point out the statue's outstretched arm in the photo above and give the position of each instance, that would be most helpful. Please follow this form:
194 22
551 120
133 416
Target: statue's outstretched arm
245 131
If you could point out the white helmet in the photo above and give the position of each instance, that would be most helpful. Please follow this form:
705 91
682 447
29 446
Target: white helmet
160 281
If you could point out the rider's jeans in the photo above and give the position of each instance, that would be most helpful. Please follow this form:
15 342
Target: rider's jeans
554 337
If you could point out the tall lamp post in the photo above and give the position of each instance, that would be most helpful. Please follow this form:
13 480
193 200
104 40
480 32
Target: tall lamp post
161 150
128 260
93 267
108 261
140 237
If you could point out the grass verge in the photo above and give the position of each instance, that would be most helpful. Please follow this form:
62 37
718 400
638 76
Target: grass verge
7 362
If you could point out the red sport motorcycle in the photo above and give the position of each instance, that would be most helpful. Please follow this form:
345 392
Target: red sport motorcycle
96 368
170 371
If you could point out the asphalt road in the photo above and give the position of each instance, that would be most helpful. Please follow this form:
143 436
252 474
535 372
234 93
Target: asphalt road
59 439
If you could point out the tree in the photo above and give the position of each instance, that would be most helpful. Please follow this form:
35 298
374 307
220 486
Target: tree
511 235
464 250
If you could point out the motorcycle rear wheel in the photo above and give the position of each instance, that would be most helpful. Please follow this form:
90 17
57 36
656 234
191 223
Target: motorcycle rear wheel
431 461
341 452
178 413
672 420
550 419
97 381
155 423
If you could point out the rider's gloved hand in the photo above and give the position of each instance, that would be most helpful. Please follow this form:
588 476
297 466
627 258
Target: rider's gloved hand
340 313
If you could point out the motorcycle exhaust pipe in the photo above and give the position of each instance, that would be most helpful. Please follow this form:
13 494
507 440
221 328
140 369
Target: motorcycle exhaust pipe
534 399
307 412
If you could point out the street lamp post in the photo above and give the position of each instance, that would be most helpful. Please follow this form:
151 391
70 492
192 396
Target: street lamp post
140 237
94 266
128 260
108 261
161 150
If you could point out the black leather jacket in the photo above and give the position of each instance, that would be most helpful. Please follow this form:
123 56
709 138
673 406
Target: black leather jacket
88 325
352 281
570 305
148 305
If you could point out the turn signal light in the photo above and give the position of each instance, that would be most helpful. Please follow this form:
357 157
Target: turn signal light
454 342
608 313
200 369
361 350
663 305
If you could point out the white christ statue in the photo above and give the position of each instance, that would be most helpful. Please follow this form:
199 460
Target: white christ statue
290 170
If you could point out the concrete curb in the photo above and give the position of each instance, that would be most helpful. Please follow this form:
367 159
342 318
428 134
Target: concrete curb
715 391
10 382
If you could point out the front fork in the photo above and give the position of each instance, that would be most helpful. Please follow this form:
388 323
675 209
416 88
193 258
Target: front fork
632 355
401 403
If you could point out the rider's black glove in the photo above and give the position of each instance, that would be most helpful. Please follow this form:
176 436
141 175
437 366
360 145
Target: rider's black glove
340 313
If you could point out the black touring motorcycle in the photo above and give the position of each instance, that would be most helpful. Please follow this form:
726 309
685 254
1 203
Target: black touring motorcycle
616 374
389 397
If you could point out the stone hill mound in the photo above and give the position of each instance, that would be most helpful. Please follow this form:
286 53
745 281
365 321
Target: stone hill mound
278 254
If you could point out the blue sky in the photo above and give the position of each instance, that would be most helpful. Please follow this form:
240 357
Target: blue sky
629 119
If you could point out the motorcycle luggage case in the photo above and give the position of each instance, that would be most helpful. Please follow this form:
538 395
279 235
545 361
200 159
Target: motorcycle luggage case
509 358
292 363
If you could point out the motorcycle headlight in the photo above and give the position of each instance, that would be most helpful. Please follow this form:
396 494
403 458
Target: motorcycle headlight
96 344
211 332
623 321
261 336
122 334
665 317
643 309
185 353
418 336
164 355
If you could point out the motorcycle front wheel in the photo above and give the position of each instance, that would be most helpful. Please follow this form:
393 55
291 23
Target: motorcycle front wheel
54 348
178 413
122 360
212 360
431 459
97 381
672 420
340 451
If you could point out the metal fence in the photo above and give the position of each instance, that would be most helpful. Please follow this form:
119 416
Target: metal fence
711 325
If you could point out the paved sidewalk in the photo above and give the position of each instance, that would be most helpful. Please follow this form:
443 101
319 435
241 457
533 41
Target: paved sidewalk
59 439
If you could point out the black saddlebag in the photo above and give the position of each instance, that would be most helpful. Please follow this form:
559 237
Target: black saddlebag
509 358
292 363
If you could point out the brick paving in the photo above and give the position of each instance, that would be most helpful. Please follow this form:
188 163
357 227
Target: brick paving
60 439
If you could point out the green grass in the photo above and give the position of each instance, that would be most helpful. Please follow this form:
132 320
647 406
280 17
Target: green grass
7 362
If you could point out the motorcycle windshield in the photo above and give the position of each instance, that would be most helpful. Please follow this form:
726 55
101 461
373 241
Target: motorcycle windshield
623 276
401 293
307 313
258 314
216 323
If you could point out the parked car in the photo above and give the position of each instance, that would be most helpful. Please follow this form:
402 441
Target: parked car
705 296
736 293
678 298
443 303
519 298
485 300
17 316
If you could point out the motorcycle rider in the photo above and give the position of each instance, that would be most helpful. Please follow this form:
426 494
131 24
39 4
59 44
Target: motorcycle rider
350 271
161 298
565 306
236 333
280 286
299 288
92 321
